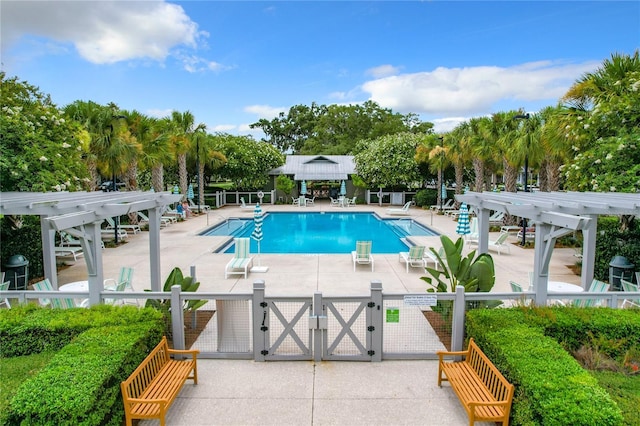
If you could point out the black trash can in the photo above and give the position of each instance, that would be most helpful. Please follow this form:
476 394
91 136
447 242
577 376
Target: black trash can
620 269
17 272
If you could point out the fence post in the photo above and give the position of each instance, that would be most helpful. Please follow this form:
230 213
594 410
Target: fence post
318 316
376 320
260 321
177 318
457 327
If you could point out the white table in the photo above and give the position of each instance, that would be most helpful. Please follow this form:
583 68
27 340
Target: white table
76 286
562 287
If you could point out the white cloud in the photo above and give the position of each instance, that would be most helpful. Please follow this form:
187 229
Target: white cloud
159 113
223 128
382 71
265 111
338 95
447 124
474 90
104 31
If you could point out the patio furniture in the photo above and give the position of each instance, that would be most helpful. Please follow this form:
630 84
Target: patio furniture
483 391
163 221
362 254
351 202
152 387
496 219
44 285
67 303
243 205
112 225
446 206
334 202
413 257
498 244
5 301
67 251
241 261
400 211
630 287
595 287
195 207
430 257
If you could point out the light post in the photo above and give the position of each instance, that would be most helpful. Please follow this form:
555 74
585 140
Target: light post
526 178
198 171
441 139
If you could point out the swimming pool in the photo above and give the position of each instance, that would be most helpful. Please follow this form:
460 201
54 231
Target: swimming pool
323 233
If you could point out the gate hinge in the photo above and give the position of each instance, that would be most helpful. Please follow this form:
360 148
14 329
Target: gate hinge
264 328
263 304
371 328
371 304
371 353
264 352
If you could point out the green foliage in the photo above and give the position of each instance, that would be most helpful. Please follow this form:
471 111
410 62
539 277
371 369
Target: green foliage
612 241
426 197
475 274
80 385
186 284
529 346
625 391
335 129
248 162
40 150
25 240
388 161
285 184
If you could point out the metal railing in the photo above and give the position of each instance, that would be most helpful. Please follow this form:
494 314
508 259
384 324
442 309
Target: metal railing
373 327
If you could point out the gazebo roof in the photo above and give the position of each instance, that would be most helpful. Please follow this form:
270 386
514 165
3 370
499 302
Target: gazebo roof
317 167
556 214
82 213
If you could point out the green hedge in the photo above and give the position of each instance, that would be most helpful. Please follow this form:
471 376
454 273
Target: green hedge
81 383
552 388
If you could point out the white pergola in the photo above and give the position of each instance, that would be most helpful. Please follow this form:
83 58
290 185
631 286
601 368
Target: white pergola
555 214
81 214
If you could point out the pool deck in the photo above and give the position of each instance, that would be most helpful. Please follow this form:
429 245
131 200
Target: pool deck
240 392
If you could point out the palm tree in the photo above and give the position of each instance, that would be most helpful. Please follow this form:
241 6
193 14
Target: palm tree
183 130
205 154
483 151
433 152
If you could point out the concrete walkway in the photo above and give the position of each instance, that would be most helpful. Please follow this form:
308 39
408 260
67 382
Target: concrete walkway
238 392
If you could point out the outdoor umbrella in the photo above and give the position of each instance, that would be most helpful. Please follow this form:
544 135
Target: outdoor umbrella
343 188
463 221
444 192
257 236
303 189
190 192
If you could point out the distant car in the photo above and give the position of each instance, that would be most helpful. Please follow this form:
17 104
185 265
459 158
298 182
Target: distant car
108 186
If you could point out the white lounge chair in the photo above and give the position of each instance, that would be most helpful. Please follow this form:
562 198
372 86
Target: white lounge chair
194 207
400 211
351 201
67 240
362 255
413 257
122 283
66 251
335 202
529 235
430 257
112 225
498 244
242 259
163 220
449 205
244 205
496 219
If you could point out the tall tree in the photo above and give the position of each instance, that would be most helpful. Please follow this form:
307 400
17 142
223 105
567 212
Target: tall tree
434 152
389 161
183 126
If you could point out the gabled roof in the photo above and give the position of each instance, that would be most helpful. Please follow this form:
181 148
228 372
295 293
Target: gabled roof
317 167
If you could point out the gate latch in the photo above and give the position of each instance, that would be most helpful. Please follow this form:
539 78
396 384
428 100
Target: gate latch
318 322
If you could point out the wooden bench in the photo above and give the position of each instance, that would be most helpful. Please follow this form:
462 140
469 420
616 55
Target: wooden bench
152 387
482 389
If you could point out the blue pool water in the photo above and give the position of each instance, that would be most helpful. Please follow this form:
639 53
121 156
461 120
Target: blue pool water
323 233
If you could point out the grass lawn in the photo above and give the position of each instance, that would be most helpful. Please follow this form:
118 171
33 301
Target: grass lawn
625 391
16 370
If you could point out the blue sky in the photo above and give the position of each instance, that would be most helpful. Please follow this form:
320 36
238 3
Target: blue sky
232 63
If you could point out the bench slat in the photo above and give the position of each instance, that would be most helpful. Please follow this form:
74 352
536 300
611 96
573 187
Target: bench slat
483 391
151 388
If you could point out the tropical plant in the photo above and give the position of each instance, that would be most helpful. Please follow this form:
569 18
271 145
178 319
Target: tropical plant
187 284
474 273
